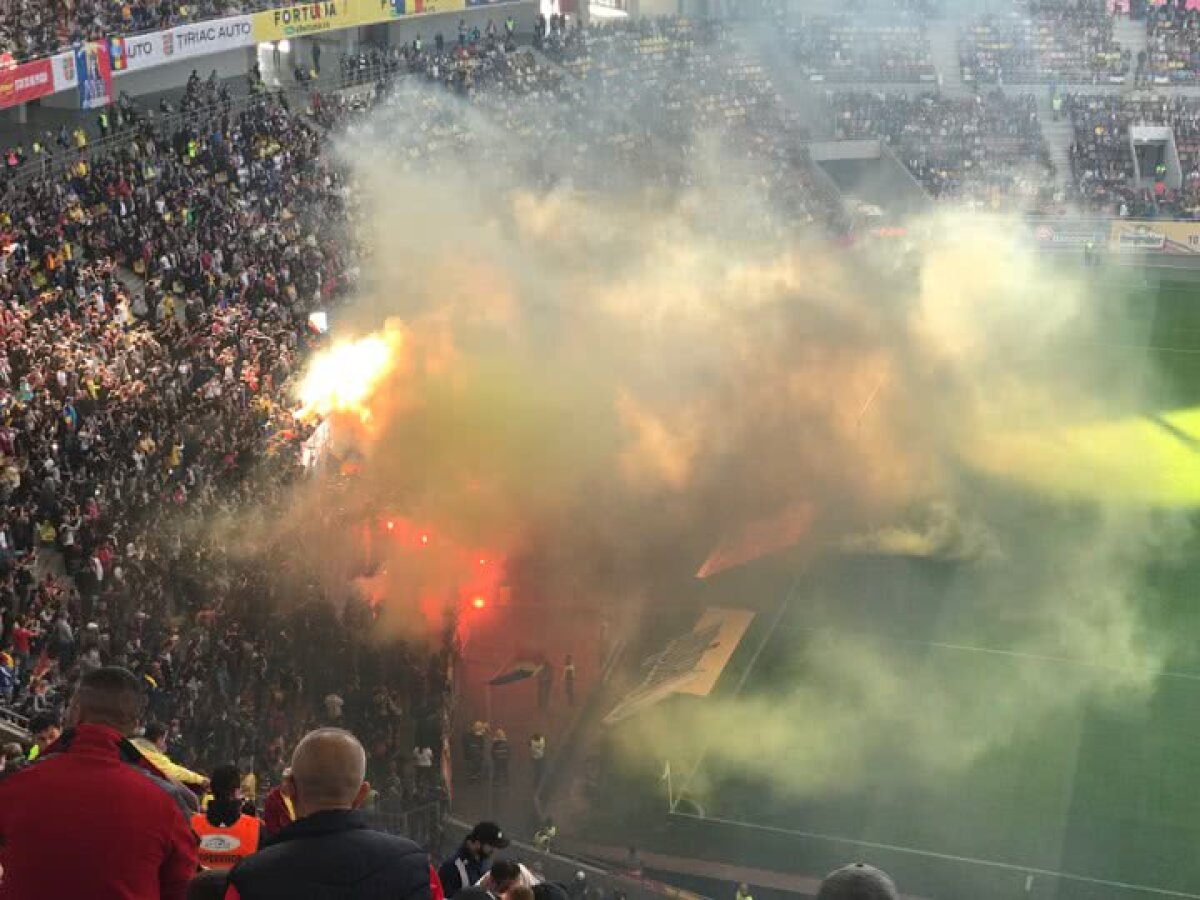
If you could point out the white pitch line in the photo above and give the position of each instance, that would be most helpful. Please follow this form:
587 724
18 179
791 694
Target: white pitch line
950 857
1068 660
1111 345
776 623
999 651
871 399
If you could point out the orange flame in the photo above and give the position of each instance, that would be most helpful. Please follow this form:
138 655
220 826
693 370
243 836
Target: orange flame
345 377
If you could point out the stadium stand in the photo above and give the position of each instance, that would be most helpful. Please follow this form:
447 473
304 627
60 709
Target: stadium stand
1102 157
1059 41
702 83
156 298
987 151
843 49
1172 46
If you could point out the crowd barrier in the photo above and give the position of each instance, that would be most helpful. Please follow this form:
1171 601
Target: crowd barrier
423 824
551 866
13 726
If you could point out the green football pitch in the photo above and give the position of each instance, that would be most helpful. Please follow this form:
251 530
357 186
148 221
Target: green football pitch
1098 799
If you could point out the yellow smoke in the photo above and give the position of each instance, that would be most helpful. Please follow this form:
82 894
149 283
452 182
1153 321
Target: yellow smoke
1142 461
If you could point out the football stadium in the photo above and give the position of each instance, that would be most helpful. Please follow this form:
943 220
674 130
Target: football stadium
599 449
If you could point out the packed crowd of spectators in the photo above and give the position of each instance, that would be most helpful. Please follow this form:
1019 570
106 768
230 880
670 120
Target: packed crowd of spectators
590 120
987 151
155 302
34 28
683 83
1172 54
1102 154
846 48
1067 41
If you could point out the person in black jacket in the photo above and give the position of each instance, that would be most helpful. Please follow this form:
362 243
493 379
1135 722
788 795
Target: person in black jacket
329 851
472 859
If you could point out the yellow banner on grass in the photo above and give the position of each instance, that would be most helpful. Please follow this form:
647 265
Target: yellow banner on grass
304 19
1155 236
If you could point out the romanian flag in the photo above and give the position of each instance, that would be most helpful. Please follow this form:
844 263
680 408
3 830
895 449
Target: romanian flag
117 59
413 7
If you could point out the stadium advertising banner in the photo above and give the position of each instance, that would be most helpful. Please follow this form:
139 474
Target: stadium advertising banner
144 51
28 81
1070 235
65 76
94 74
1155 237
304 19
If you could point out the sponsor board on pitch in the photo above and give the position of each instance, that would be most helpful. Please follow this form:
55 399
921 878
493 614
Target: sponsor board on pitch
1155 237
1070 234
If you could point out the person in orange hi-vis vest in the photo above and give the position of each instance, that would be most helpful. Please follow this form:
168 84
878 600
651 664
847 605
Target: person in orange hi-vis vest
226 834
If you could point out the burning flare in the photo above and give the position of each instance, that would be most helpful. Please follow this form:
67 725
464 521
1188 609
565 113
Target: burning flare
343 378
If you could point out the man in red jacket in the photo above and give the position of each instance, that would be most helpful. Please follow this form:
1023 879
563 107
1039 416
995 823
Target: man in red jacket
91 818
278 812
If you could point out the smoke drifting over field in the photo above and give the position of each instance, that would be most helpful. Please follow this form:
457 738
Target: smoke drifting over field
628 376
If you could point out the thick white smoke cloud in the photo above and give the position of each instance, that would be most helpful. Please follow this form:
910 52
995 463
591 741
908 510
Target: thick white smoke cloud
630 375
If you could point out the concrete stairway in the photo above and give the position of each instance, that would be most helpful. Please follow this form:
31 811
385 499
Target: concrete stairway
1058 136
943 41
1131 36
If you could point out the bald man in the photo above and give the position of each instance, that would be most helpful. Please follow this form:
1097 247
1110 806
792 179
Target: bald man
329 851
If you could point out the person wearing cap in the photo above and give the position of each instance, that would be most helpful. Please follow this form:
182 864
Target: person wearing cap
472 860
858 881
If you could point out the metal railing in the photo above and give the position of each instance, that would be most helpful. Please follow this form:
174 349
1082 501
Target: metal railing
551 866
14 726
12 717
423 824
